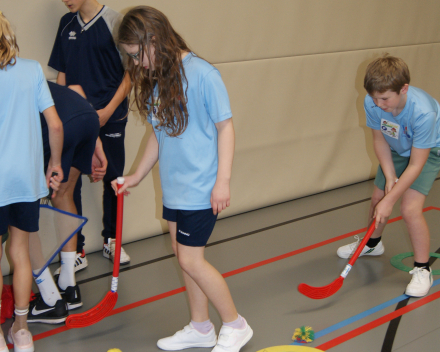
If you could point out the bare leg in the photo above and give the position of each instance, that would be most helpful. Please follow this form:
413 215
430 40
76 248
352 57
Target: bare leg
2 339
412 213
1 275
377 196
204 282
64 201
198 301
22 279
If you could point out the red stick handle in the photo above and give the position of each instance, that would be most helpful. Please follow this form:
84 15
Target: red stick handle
119 217
363 243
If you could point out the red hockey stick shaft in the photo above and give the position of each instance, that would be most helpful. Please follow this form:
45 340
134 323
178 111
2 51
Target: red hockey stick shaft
118 244
363 243
103 308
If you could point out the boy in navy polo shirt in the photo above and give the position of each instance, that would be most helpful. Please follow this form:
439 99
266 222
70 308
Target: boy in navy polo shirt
405 122
82 153
85 54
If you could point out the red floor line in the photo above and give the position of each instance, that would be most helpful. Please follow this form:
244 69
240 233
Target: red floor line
375 323
225 275
148 300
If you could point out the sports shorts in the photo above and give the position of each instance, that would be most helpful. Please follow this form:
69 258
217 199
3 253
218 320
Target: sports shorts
23 215
424 182
194 227
80 134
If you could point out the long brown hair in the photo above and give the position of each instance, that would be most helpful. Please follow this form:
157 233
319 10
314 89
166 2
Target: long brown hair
145 26
8 43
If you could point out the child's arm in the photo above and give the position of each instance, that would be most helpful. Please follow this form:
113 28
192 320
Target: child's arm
61 79
220 196
150 157
416 163
383 154
120 95
99 162
56 138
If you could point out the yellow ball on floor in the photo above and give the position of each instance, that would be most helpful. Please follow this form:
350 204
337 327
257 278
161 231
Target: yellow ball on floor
114 350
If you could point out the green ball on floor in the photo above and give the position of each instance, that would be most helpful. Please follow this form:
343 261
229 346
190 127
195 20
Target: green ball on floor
114 350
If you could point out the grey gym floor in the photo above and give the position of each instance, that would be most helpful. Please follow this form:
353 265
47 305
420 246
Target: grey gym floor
266 293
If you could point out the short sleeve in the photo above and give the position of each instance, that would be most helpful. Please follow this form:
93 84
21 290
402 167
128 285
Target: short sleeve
44 97
56 60
216 97
425 132
373 121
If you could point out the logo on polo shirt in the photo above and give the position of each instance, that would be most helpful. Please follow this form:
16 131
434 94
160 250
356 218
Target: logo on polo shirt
184 233
72 35
114 135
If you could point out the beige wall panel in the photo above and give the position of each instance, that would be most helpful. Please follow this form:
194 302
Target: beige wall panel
230 30
300 129
294 73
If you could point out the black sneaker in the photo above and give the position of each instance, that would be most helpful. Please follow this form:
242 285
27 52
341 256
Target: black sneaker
72 296
40 312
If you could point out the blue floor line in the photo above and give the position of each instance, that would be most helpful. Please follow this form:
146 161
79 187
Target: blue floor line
360 316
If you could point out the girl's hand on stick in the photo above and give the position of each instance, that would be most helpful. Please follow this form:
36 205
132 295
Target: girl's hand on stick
130 181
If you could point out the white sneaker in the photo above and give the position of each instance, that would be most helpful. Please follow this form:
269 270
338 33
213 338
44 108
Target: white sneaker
420 283
22 340
348 250
109 252
187 338
231 340
80 263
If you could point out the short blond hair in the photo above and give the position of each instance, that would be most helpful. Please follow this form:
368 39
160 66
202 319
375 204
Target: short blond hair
8 43
386 73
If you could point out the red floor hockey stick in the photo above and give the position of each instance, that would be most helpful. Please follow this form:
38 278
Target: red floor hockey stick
107 304
327 291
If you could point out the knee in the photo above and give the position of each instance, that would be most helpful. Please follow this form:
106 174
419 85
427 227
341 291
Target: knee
375 199
64 193
409 211
187 263
18 253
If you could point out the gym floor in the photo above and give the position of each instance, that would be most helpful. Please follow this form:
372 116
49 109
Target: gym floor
264 255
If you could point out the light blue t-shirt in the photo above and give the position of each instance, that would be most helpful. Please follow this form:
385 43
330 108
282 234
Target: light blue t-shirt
188 163
417 125
23 95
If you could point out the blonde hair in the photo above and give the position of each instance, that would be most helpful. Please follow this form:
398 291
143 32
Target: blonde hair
386 73
8 43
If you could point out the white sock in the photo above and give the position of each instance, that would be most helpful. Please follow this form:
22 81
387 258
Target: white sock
47 287
67 273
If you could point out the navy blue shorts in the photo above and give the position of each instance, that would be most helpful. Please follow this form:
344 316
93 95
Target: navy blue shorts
194 227
80 134
23 216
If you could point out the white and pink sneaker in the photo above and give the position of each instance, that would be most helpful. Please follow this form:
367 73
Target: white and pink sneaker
22 340
232 340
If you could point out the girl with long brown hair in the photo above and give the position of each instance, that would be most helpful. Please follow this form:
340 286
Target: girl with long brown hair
185 100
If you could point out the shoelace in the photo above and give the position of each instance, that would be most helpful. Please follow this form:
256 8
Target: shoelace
418 273
354 245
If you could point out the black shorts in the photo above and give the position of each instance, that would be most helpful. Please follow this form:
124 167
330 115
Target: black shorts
24 216
80 134
194 227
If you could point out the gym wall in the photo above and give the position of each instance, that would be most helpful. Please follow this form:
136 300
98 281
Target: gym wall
294 72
